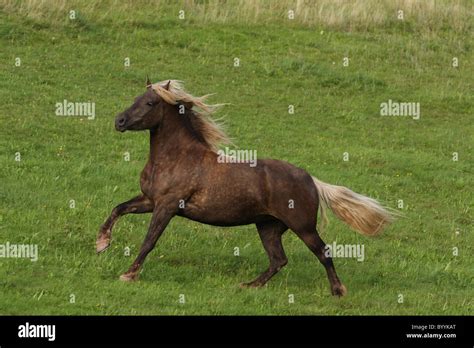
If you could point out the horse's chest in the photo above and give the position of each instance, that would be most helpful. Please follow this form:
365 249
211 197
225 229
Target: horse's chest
147 178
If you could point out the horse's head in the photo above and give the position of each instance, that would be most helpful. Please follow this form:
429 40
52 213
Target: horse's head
145 113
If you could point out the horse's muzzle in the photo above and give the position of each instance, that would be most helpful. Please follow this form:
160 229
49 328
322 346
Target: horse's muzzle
120 123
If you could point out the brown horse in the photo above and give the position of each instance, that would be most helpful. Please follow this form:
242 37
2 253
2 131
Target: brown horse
184 177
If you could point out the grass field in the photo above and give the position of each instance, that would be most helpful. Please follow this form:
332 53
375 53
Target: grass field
282 63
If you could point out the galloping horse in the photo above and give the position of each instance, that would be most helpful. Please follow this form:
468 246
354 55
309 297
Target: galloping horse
184 177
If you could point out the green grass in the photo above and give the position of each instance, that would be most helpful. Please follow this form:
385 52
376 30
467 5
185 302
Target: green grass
336 111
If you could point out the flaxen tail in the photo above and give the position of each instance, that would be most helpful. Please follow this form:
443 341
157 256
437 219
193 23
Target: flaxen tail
362 213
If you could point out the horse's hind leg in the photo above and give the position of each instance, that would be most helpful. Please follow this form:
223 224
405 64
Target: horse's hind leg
270 233
318 247
137 205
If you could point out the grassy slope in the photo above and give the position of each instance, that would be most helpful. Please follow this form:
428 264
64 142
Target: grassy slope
336 111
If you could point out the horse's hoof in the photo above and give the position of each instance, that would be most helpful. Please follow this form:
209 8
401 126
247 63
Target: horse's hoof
102 244
339 290
129 277
250 285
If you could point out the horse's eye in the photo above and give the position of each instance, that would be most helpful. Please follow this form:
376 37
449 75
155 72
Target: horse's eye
149 103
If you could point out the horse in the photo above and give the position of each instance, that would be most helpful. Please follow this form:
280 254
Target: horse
184 177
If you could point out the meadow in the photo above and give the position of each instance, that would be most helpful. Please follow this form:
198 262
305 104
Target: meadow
61 176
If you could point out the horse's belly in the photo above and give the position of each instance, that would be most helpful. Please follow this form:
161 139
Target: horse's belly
218 221
215 212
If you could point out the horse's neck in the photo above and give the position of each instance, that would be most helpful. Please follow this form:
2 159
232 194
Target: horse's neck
171 140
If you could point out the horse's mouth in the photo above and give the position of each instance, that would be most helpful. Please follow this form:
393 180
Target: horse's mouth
121 129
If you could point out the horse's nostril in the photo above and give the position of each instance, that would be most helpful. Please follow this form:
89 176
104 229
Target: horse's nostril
121 121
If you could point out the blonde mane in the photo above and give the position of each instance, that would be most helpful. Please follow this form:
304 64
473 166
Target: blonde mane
209 130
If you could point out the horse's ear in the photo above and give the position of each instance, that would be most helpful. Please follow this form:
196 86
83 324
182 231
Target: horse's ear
148 82
167 87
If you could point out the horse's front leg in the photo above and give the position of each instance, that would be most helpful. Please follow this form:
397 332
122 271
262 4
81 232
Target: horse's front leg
137 205
159 221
